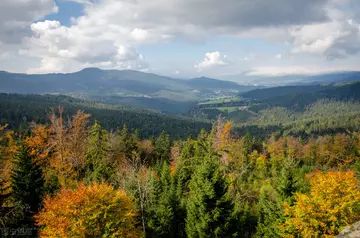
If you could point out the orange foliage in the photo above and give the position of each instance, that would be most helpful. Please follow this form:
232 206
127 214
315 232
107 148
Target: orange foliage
221 134
8 149
96 210
225 134
276 148
331 204
60 148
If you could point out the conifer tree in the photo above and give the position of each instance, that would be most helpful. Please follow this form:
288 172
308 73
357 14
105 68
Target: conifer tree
127 142
27 188
97 164
209 208
163 148
271 213
161 215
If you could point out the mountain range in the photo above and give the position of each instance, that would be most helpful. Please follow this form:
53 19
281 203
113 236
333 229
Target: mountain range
160 93
125 83
247 78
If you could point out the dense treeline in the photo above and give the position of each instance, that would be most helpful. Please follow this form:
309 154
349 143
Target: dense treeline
66 178
17 110
321 118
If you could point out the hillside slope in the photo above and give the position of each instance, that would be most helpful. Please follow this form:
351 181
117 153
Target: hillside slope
17 109
127 83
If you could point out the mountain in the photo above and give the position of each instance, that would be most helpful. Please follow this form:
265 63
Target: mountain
267 93
246 78
128 83
298 97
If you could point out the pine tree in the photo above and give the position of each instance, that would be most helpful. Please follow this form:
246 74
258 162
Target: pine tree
97 164
27 188
209 208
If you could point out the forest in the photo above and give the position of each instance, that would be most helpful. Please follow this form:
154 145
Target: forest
68 176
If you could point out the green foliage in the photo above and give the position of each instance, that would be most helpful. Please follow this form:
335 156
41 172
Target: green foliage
97 157
209 208
162 148
27 189
161 213
15 109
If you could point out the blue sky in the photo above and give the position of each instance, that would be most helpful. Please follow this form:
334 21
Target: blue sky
181 38
67 10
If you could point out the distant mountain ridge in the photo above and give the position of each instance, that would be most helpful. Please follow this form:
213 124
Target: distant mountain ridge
298 97
246 78
127 83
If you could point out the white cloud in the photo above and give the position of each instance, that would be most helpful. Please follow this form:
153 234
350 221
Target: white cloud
17 15
337 38
139 34
64 49
109 32
211 59
279 56
297 70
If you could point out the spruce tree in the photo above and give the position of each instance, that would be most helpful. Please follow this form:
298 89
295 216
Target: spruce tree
97 164
163 148
27 189
161 215
127 142
209 208
271 213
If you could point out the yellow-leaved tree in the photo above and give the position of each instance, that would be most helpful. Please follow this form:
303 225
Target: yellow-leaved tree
95 210
332 203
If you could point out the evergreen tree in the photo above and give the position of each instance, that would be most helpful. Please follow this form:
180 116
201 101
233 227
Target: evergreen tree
271 214
127 142
287 184
27 188
163 148
97 164
209 208
161 216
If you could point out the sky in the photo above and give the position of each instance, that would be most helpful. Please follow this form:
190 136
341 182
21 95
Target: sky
181 38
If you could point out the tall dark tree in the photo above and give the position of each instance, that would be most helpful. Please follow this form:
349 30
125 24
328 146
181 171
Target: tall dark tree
209 208
97 157
163 148
161 215
127 142
27 188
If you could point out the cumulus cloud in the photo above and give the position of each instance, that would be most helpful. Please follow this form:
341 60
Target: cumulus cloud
211 59
297 70
109 32
66 49
337 38
17 15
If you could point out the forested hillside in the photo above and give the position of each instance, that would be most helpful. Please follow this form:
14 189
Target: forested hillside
73 178
17 110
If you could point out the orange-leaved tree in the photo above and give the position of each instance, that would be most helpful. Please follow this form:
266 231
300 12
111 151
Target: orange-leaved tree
95 210
332 203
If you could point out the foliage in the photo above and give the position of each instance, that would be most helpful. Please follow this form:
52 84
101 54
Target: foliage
209 209
333 203
96 210
27 189
97 164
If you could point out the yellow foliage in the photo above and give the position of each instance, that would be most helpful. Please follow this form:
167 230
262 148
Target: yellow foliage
96 210
331 204
8 151
60 148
